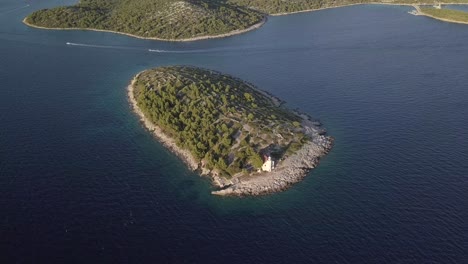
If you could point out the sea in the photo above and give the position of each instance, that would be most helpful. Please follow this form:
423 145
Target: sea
82 181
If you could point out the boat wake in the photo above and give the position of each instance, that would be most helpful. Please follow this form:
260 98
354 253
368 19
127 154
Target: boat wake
195 50
14 9
169 51
142 49
84 45
211 50
99 46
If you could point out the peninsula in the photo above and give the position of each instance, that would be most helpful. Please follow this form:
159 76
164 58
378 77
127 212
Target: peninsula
189 20
443 14
226 128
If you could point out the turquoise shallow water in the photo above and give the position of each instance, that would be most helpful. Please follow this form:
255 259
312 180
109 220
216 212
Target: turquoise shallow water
82 181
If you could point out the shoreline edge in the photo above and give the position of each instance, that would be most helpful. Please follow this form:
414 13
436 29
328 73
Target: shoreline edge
224 35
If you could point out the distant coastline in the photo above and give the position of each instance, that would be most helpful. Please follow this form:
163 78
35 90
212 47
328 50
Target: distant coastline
232 33
261 23
312 10
370 3
420 12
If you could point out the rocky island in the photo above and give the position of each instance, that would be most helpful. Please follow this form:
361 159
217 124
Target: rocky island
225 128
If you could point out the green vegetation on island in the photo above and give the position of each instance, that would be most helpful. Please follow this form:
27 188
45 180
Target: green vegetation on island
278 6
444 14
163 19
195 19
226 124
283 7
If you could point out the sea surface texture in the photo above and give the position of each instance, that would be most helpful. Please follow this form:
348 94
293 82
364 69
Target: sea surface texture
81 181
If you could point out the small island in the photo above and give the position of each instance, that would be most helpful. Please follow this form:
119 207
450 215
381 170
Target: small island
226 128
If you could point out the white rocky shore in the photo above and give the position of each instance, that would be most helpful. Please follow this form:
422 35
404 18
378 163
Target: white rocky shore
167 141
288 171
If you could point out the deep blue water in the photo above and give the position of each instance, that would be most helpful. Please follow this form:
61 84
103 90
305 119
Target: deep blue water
81 181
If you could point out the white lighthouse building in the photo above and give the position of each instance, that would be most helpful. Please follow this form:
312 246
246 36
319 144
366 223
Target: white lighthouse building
268 164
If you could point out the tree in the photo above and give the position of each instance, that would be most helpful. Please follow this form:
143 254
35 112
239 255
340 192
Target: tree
256 160
222 164
248 97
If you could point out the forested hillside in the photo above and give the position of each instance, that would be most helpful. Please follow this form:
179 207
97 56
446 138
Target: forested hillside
165 19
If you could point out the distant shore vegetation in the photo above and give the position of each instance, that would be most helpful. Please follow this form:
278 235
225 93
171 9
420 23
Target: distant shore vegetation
190 19
449 15
225 123
273 7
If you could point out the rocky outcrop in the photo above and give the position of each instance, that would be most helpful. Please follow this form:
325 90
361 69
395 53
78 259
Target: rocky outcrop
289 171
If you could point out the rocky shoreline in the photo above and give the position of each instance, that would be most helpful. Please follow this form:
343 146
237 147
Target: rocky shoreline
290 170
228 34
167 141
